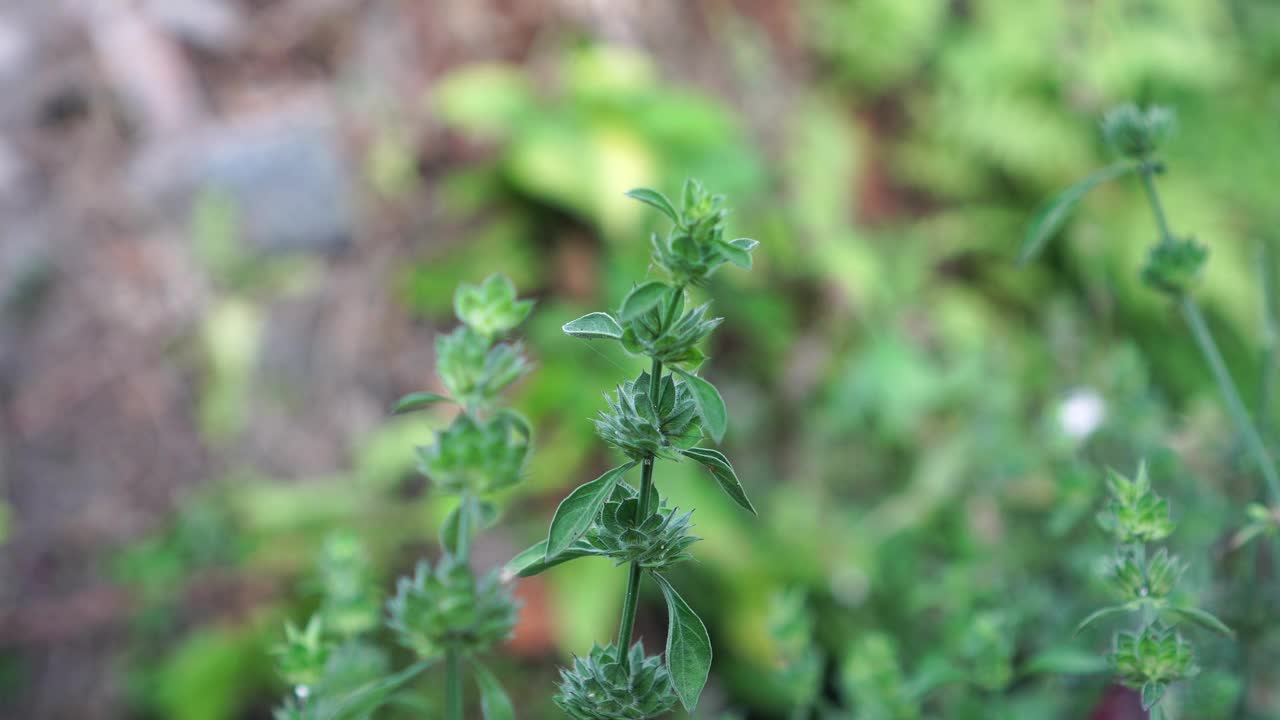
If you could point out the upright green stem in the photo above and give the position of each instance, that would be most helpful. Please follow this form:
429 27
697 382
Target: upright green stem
632 600
1147 171
453 685
1230 395
1209 348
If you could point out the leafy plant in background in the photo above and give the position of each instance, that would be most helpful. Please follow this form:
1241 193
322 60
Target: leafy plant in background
1153 655
446 612
1173 266
662 414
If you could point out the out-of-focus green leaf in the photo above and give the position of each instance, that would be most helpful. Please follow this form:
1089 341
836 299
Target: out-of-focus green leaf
1051 218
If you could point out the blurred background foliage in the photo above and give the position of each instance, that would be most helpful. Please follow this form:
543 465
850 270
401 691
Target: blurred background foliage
923 425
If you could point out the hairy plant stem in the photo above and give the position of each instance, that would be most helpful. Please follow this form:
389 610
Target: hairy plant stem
453 659
453 685
1209 349
631 602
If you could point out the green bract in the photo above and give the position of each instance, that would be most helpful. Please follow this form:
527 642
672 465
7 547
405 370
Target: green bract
1137 133
655 539
695 246
490 308
1151 659
642 428
477 456
352 601
667 333
451 609
1135 514
607 686
474 370
1174 266
301 658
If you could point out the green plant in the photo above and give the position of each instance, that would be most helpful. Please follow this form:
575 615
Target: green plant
446 612
662 414
1173 263
1154 654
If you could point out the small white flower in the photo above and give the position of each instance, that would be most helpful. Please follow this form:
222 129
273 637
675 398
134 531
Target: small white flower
1081 413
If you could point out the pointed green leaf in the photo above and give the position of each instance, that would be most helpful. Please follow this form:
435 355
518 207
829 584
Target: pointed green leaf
494 703
417 401
688 647
655 199
736 255
1051 218
718 465
594 325
1097 615
1203 618
641 300
534 560
363 701
745 243
715 418
580 509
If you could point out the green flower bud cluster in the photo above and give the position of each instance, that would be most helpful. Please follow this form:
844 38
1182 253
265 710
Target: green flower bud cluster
1173 266
352 601
608 686
667 333
695 246
301 657
657 541
450 608
1136 133
1152 658
477 456
1156 654
642 428
1134 514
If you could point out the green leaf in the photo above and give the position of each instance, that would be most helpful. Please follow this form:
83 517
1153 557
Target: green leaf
1097 615
1203 618
1051 218
494 703
580 509
534 560
641 300
736 255
688 647
718 465
594 325
715 418
745 244
417 401
363 701
655 199
1151 694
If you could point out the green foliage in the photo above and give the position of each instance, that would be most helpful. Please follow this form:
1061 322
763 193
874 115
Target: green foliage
1137 133
1173 265
604 686
642 428
451 609
656 416
477 456
1156 655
